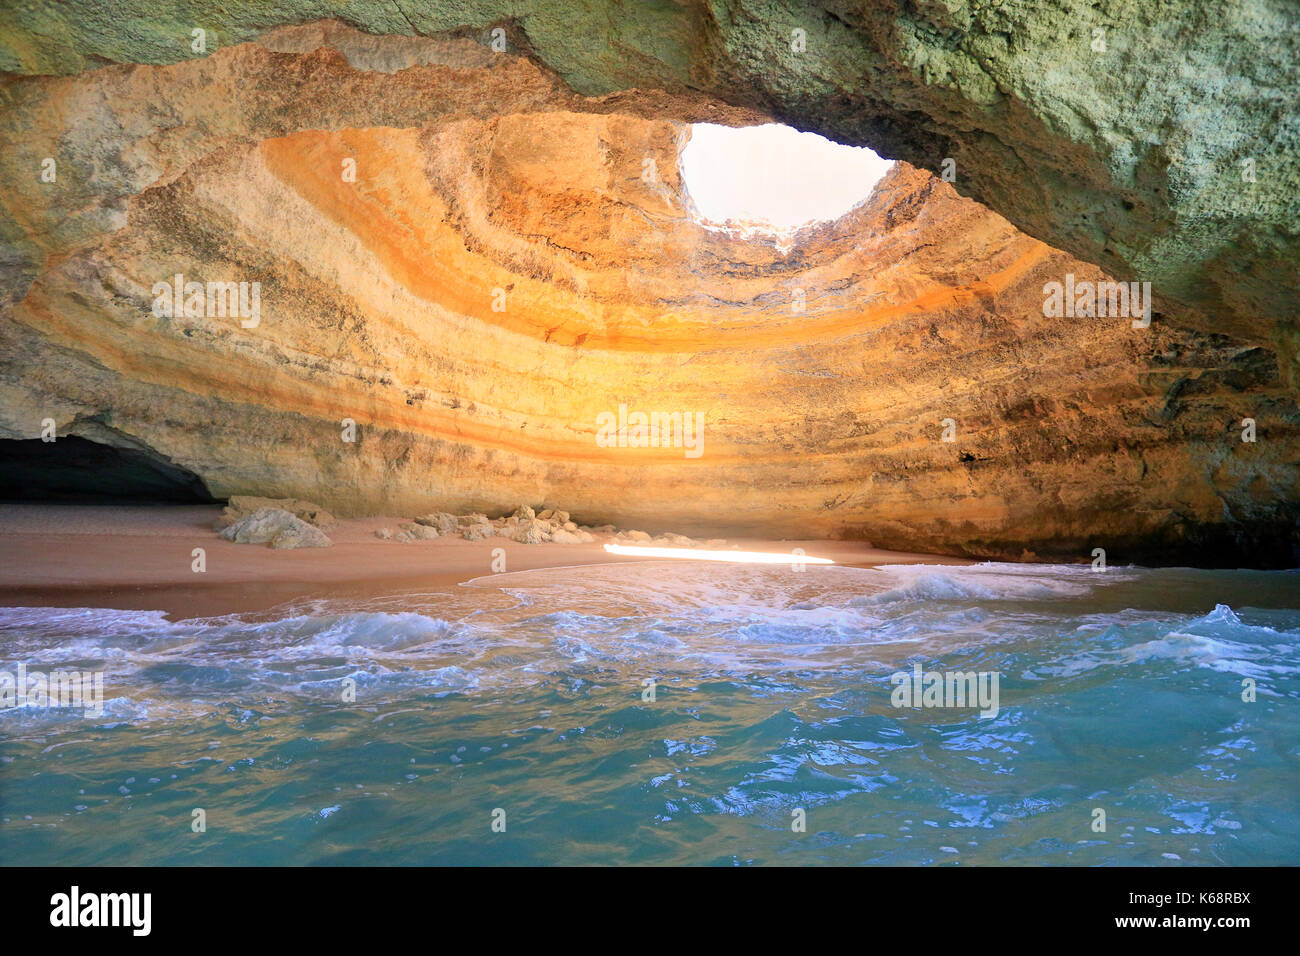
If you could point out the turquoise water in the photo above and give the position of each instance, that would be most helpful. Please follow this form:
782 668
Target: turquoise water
524 693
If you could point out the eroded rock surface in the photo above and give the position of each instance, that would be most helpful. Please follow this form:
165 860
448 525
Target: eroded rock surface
1120 131
241 506
277 528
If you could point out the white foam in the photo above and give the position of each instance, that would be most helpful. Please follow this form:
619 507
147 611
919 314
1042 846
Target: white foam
618 623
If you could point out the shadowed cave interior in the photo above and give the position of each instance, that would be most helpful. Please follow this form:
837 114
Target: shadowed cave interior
75 470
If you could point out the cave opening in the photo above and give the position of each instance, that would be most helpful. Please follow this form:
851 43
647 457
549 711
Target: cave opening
772 180
75 470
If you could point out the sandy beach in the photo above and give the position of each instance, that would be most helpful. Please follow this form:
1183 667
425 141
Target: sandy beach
140 557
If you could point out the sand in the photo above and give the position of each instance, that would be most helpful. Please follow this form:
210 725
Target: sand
140 557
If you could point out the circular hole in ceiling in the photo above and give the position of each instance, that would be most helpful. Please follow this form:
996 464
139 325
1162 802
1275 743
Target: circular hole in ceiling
772 180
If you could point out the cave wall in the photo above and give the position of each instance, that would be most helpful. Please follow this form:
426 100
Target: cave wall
480 172
1124 147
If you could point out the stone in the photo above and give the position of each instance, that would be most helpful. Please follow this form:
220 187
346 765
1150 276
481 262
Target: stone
276 527
301 535
529 532
477 532
384 533
524 513
444 522
240 506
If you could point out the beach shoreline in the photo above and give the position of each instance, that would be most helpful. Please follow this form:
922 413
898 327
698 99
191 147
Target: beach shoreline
140 557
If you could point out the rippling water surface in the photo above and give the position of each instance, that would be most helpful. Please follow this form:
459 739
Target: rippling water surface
1119 690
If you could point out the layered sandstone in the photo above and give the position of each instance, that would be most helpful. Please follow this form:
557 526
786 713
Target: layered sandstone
445 331
1156 140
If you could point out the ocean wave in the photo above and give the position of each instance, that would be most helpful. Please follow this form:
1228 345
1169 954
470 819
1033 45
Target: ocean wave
990 582
741 622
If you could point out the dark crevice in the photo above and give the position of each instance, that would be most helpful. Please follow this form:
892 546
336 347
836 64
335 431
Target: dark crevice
75 470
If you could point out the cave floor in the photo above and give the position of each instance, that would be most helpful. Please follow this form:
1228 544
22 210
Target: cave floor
140 558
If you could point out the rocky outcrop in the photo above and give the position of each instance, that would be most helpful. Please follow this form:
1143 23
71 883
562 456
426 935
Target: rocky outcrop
441 521
239 507
277 528
525 526
447 330
417 532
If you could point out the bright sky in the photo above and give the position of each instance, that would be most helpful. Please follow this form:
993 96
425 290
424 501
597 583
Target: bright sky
775 174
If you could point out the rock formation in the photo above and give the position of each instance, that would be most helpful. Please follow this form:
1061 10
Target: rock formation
444 330
277 528
241 506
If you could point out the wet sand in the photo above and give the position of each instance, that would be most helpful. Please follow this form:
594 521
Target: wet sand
139 558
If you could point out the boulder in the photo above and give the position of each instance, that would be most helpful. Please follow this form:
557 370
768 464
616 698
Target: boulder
529 532
241 506
444 522
301 535
276 527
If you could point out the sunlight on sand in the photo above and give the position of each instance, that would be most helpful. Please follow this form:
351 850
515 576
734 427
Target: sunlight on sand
739 557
